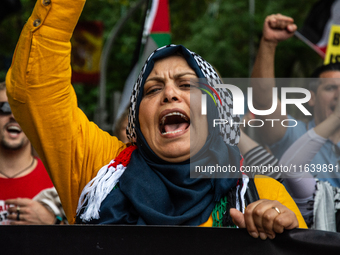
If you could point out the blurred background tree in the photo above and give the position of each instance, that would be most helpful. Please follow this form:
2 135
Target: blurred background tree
217 30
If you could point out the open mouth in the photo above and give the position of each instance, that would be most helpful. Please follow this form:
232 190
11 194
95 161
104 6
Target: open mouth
13 129
173 122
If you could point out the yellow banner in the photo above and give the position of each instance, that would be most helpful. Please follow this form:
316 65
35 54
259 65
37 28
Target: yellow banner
333 47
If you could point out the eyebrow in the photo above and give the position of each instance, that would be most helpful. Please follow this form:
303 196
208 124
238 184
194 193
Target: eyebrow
176 76
331 84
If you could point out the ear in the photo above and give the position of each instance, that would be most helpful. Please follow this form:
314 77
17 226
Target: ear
311 102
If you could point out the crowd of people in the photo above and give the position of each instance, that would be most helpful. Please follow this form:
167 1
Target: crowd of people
314 143
142 174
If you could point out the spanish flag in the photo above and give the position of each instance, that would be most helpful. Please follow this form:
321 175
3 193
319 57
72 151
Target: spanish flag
87 44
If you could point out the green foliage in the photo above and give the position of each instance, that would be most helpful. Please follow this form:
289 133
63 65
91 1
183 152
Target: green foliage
217 30
222 30
10 29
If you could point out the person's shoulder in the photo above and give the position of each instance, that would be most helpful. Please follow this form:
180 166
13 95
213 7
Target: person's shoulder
267 187
40 164
296 129
297 124
41 173
266 180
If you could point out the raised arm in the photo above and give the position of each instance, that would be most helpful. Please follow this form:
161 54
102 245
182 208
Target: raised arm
302 185
45 105
331 125
276 28
313 140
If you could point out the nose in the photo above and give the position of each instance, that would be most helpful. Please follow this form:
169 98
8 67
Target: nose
170 93
10 118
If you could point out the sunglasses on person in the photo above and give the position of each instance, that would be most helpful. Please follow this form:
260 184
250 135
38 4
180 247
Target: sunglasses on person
5 109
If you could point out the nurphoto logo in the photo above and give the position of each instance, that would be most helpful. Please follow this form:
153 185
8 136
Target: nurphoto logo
239 104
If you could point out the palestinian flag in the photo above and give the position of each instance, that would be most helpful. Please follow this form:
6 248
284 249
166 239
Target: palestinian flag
315 31
156 33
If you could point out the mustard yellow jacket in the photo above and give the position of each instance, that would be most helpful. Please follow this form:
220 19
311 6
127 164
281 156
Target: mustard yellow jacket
44 103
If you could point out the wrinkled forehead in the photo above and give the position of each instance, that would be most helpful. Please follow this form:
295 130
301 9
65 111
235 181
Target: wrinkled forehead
164 55
172 67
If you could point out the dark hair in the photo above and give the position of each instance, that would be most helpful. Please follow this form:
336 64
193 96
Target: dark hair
324 68
313 86
120 121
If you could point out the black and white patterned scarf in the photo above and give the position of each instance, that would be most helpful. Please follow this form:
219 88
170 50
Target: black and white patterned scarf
230 134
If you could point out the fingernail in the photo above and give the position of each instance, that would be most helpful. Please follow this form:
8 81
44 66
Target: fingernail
270 236
263 236
254 234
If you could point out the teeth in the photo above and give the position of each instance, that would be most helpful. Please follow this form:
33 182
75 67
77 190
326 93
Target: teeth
171 114
14 128
172 132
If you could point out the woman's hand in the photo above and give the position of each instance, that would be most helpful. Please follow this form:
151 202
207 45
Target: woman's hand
30 212
264 218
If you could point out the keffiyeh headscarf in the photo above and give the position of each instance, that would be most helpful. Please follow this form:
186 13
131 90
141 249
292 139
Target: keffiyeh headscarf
230 133
155 192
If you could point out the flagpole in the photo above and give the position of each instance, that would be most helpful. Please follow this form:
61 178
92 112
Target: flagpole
101 113
310 44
